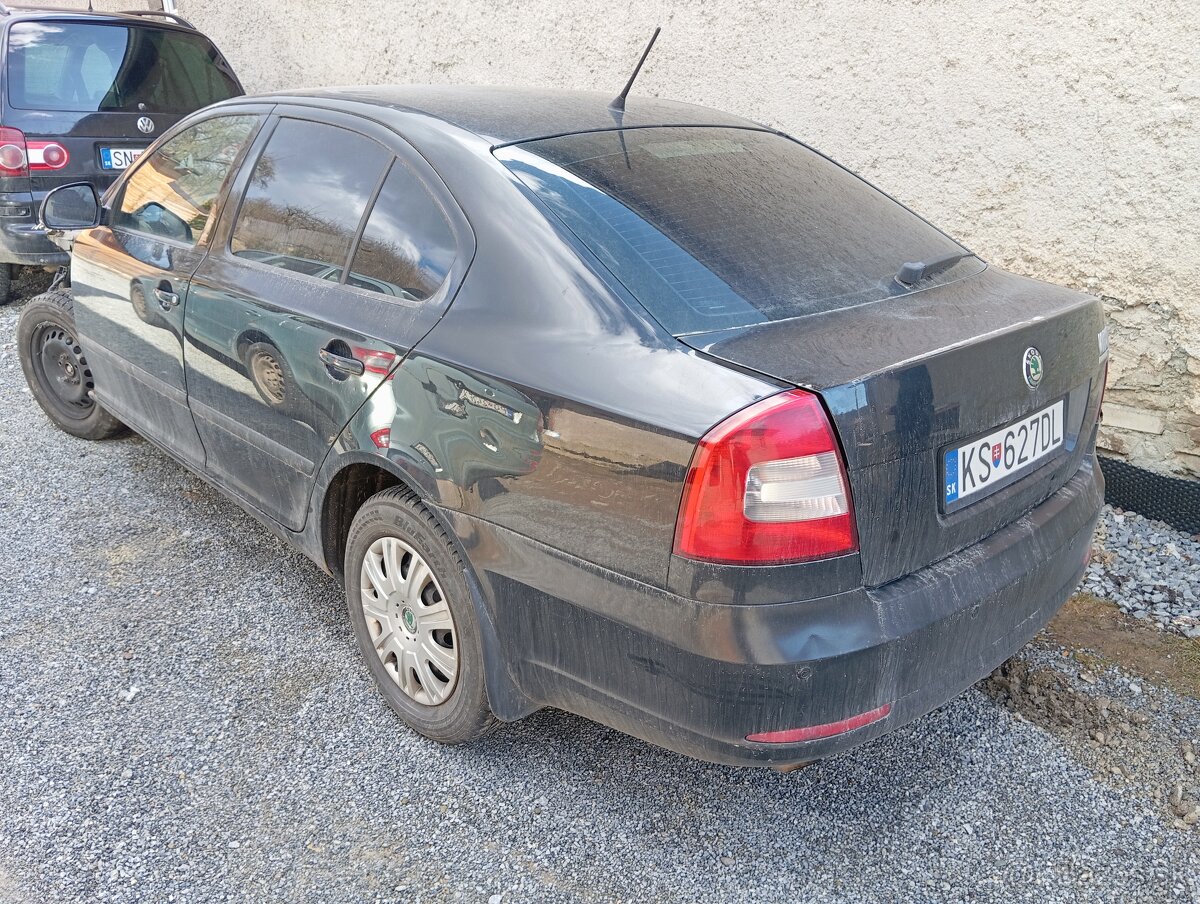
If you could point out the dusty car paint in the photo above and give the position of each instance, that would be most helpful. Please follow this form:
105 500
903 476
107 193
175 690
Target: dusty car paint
565 514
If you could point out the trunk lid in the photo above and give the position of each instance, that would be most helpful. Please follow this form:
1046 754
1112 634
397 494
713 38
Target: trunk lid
909 377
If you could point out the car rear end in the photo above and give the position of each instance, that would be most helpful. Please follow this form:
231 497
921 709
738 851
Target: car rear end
82 97
915 504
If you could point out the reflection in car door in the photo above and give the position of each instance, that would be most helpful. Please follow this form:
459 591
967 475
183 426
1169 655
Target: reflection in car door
280 351
130 277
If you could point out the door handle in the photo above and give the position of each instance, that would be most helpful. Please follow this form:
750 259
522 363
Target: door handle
344 363
166 298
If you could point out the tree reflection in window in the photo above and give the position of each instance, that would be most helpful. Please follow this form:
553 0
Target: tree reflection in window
171 195
407 247
306 197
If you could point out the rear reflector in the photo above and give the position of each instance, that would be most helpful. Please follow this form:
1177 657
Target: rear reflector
767 486
815 732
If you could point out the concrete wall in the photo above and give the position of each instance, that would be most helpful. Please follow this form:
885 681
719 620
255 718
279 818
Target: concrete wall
1057 138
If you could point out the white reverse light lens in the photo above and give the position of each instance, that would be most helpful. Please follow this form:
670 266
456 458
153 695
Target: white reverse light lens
796 489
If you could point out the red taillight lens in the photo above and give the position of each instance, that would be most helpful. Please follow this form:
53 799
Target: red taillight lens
767 486
13 159
47 155
375 361
815 732
382 438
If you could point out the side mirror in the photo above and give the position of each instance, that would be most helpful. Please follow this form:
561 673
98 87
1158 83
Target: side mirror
70 207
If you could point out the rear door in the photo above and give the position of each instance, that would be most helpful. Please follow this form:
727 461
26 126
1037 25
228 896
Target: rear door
333 266
103 91
130 277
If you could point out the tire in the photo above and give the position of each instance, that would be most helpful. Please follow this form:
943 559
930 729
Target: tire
454 712
8 273
57 370
272 376
141 307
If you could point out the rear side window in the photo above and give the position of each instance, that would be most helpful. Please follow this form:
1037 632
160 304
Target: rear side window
712 228
307 196
407 247
96 68
172 192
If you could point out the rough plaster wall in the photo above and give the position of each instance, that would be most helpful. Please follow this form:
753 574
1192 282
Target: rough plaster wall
1057 138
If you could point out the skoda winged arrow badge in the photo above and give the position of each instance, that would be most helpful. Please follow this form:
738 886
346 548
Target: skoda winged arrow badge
1033 367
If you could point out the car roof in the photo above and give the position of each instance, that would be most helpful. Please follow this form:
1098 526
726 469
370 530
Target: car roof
149 18
510 115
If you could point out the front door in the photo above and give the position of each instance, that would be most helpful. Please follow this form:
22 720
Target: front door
130 278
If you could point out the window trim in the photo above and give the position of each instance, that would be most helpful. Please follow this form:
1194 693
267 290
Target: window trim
116 194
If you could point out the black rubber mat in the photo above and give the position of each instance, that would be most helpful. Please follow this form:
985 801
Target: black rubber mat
1171 499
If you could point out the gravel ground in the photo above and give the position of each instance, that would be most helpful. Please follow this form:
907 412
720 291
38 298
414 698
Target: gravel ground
1148 569
184 717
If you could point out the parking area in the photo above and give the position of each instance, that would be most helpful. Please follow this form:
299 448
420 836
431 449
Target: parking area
184 716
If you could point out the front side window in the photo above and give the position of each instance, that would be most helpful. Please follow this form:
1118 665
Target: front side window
307 196
97 68
407 247
172 193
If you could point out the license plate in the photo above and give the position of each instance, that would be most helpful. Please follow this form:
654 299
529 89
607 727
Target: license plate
986 464
119 158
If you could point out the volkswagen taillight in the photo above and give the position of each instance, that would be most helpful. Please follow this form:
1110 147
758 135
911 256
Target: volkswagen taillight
13 158
19 156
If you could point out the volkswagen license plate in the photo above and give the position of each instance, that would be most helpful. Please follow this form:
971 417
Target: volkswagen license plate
119 158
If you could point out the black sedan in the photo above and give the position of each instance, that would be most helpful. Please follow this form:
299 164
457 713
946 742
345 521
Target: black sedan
651 414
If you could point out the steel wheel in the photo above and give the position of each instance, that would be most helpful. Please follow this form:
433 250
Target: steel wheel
56 370
409 621
62 370
268 375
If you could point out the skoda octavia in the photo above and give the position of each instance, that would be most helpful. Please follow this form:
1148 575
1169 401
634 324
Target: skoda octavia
654 415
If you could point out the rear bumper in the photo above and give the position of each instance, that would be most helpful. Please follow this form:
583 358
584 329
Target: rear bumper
698 678
21 240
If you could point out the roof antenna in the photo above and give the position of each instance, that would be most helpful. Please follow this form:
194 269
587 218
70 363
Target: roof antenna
618 102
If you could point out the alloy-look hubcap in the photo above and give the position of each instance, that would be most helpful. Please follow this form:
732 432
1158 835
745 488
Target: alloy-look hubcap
409 621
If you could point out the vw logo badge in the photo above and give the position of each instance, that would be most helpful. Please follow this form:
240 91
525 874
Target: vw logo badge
145 124
1033 367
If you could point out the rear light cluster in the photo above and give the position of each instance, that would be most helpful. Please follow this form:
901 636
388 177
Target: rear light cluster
19 157
375 361
766 487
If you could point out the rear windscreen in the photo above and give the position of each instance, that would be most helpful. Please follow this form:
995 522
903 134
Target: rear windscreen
712 228
93 68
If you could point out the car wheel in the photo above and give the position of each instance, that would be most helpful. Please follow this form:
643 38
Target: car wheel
8 273
414 618
271 375
57 371
137 298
